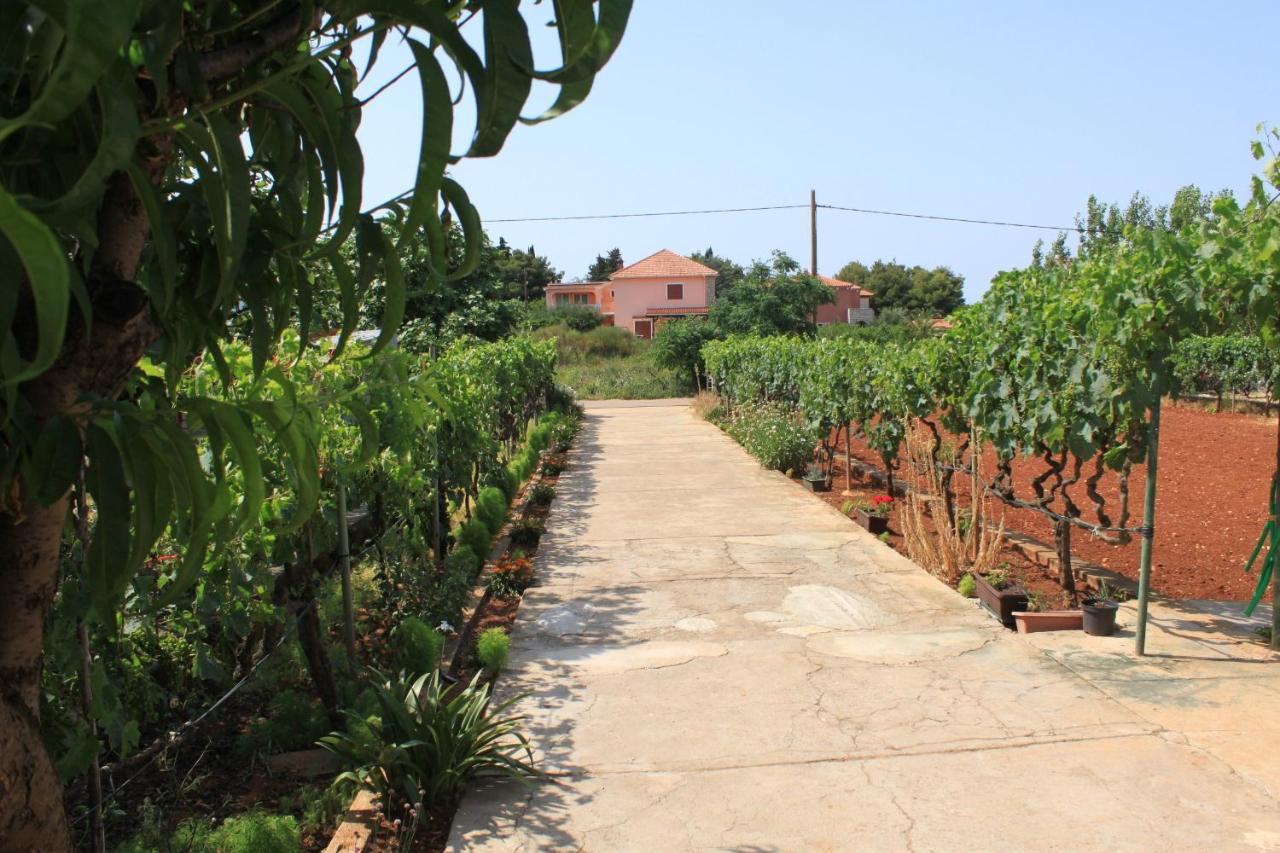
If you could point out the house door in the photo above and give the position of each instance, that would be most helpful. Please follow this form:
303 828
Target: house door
644 329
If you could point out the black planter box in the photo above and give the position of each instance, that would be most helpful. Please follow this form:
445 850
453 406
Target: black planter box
1001 602
816 485
877 524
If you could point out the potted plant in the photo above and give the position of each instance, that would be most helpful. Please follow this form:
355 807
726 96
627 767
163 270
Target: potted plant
1038 617
874 514
1001 595
815 479
1100 611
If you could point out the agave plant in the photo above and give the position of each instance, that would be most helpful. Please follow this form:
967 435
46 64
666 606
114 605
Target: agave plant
424 748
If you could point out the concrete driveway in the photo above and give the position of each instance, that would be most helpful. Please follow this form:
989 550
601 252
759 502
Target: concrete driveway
715 660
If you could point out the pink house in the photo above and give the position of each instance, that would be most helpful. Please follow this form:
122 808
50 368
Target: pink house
644 295
852 305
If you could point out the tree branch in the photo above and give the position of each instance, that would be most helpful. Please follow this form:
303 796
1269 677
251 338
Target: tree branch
225 62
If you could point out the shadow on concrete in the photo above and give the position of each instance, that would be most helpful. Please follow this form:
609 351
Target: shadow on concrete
546 687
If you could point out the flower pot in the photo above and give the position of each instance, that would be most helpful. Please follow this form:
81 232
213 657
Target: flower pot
1049 620
816 485
1099 616
877 524
1001 603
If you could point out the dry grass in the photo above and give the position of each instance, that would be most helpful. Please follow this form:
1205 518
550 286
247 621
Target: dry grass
947 551
705 402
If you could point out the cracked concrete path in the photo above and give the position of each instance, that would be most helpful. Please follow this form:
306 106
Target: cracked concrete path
715 660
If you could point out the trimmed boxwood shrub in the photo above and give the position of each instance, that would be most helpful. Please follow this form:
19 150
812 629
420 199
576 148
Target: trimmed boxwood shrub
416 646
491 508
475 535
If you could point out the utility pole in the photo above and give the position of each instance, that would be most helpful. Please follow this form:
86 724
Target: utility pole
813 232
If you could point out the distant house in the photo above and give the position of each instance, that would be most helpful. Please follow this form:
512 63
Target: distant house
646 294
852 305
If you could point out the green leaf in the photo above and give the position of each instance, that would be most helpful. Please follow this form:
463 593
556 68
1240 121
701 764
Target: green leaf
108 572
437 134
472 228
393 306
55 460
49 277
93 31
506 86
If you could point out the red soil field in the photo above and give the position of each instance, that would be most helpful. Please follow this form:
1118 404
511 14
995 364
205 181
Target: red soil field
1211 503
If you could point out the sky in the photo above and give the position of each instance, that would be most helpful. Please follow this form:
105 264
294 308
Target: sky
1010 111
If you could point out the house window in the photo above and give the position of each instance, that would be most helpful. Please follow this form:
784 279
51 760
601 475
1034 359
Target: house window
675 292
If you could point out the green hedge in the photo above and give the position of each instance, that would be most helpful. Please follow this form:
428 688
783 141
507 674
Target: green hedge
491 508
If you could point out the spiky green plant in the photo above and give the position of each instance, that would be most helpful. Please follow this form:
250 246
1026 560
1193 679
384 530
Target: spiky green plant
423 748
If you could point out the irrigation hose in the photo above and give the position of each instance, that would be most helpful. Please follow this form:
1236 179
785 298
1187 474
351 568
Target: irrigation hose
1270 537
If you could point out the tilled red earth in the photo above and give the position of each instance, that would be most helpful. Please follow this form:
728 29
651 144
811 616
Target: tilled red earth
1214 476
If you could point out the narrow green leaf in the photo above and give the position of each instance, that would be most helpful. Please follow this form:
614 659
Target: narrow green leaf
49 276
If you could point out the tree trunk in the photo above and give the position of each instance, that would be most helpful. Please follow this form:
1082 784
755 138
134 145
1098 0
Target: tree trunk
1066 576
31 809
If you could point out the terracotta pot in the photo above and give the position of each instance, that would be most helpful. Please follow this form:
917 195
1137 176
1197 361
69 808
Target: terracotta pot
1001 603
816 485
1099 616
877 524
1048 620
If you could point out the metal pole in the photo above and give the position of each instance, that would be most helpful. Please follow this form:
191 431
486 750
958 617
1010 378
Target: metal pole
813 232
344 554
1148 522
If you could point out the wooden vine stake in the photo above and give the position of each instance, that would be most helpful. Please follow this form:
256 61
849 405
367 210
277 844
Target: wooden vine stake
344 555
1148 522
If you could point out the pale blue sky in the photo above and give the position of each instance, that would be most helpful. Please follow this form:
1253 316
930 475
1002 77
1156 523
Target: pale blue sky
1013 111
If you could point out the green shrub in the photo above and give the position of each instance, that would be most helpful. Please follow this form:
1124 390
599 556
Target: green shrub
540 435
422 749
967 587
475 535
321 809
293 720
252 832
492 648
542 494
526 532
491 508
506 480
773 436
416 646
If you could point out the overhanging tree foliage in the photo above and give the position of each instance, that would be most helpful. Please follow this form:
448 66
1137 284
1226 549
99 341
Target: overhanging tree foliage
135 219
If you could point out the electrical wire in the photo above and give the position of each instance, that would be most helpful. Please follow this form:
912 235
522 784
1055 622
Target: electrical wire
963 219
651 213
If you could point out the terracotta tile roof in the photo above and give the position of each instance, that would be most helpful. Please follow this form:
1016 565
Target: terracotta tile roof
691 309
664 264
835 282
940 323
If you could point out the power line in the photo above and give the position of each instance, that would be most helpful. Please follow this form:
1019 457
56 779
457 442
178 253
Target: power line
939 218
652 213
1000 223
869 211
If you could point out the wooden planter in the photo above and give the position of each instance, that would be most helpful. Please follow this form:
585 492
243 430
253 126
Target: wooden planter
1001 602
1048 620
816 485
877 524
